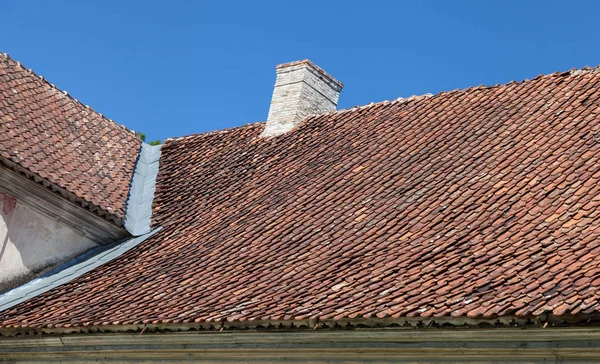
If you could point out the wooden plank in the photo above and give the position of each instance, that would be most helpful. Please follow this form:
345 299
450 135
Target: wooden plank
461 345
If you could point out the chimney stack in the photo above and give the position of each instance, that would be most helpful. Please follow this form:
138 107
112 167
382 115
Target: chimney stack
301 89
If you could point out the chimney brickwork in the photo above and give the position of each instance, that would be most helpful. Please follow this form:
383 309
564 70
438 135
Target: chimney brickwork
301 89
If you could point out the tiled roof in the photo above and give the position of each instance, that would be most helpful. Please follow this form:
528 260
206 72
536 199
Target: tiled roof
63 144
480 203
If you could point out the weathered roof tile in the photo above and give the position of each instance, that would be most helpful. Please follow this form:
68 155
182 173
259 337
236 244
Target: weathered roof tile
477 203
55 138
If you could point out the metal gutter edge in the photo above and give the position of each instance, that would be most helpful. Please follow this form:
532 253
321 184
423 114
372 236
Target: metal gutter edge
138 209
70 270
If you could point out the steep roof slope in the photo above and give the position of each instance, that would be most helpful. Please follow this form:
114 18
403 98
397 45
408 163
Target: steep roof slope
479 203
63 144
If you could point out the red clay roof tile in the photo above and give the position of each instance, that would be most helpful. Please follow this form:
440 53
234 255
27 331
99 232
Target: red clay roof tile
465 204
83 155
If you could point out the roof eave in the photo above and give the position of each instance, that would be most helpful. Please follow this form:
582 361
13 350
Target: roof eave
150 325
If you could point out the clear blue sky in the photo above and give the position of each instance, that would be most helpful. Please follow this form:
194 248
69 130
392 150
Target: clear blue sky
171 68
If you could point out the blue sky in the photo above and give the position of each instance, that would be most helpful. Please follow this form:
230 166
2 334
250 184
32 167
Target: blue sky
172 68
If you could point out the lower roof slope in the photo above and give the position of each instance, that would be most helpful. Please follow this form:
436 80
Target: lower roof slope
63 144
478 203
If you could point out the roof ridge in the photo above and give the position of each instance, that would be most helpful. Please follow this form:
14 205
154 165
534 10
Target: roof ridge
570 72
61 91
401 100
218 131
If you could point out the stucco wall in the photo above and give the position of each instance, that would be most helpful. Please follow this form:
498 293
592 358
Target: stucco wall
31 242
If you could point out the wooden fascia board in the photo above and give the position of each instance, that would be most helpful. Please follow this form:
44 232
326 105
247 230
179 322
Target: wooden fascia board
463 344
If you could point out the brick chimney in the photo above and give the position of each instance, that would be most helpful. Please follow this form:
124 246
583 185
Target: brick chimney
301 89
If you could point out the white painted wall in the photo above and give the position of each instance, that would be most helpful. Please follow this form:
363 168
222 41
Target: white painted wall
300 90
31 242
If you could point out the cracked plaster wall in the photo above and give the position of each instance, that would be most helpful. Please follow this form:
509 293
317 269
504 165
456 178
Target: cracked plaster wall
31 243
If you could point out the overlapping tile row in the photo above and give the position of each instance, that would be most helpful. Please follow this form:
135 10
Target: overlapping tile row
63 142
479 203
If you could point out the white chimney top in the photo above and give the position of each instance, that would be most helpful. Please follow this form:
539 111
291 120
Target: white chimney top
301 89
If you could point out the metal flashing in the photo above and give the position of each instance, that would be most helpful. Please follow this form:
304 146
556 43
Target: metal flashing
138 209
70 270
